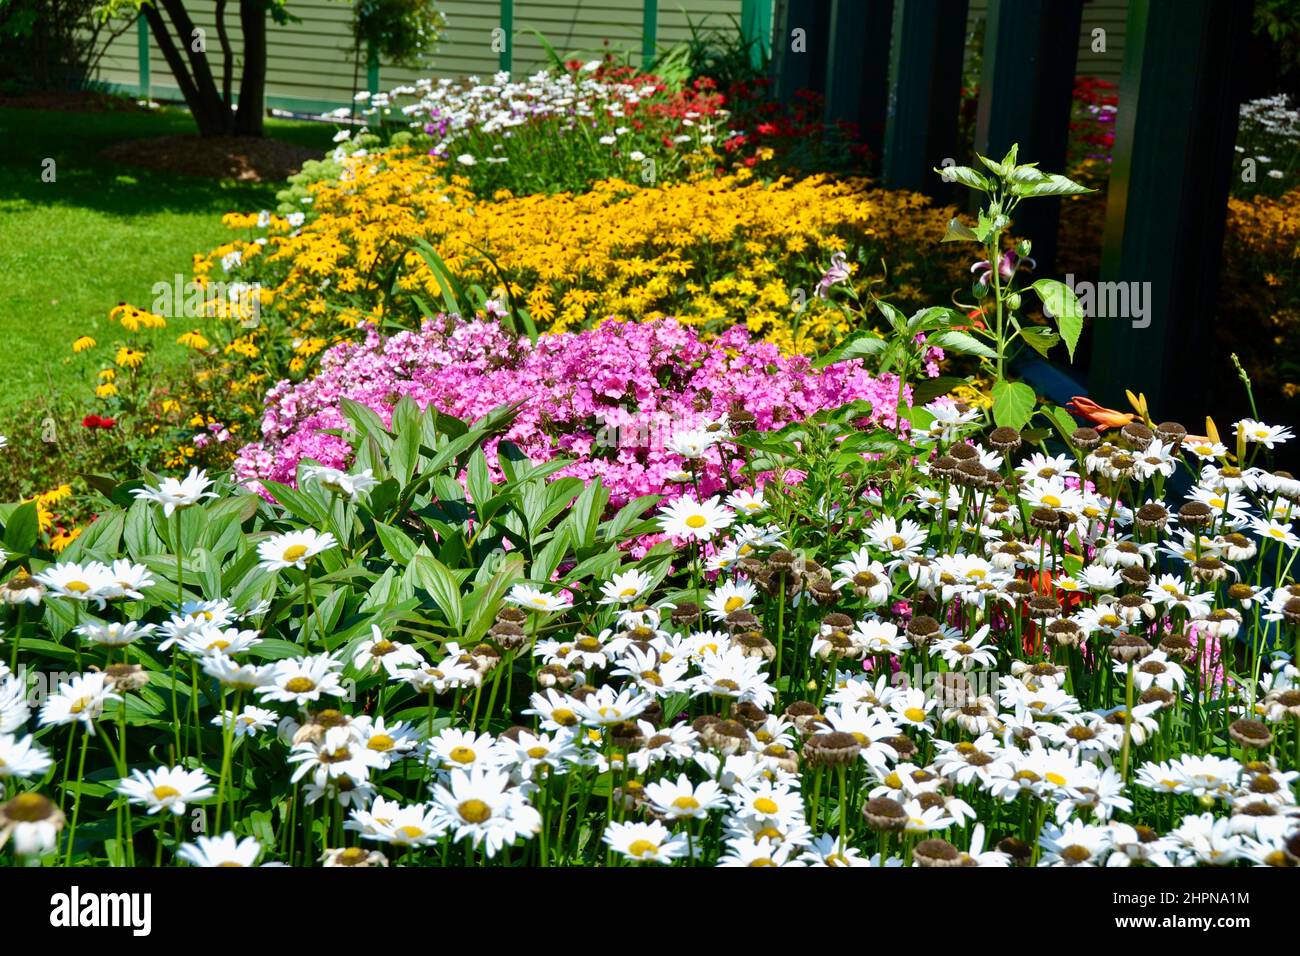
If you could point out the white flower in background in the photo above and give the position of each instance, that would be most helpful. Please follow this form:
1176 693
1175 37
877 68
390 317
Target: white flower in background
81 699
224 850
90 582
293 549
682 799
32 822
534 599
747 502
114 633
690 519
172 493
353 487
166 788
730 597
1266 435
22 757
128 580
303 681
479 805
625 587
693 444
645 842
14 710
379 653
249 722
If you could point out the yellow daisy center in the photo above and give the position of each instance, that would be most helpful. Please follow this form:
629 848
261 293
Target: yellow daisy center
474 811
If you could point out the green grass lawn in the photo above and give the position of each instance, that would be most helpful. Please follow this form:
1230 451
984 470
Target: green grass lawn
101 233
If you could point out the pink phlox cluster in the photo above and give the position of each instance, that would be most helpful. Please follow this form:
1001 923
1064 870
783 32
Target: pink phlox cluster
611 398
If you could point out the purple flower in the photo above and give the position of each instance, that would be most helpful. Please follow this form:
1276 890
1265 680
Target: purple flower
837 273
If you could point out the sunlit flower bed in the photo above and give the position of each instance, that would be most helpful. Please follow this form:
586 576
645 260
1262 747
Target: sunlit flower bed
942 652
554 131
630 402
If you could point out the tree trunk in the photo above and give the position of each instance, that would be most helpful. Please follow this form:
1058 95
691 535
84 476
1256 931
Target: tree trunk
252 85
210 114
217 114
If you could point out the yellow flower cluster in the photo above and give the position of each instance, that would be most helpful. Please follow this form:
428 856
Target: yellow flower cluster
1261 289
712 251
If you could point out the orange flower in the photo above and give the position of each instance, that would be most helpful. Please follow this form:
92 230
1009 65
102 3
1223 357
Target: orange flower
1103 418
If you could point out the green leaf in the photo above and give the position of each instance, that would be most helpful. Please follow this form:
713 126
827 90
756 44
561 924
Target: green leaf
935 317
22 529
858 345
1039 338
398 546
452 293
964 175
1060 302
1061 419
958 231
1013 404
927 390
892 315
962 343
442 585
1051 184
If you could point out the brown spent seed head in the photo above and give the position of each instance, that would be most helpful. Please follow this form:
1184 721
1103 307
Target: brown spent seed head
1195 514
1250 733
1004 439
936 852
885 814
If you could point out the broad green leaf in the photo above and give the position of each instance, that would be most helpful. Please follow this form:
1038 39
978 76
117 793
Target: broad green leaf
964 175
1060 302
1052 184
858 345
22 529
928 389
1039 338
1013 404
442 585
958 231
953 340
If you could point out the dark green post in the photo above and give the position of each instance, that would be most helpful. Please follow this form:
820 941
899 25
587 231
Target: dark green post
800 40
756 29
142 52
505 61
1166 205
372 68
1026 88
857 77
649 32
924 94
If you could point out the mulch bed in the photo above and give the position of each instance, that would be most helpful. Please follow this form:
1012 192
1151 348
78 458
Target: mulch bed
243 158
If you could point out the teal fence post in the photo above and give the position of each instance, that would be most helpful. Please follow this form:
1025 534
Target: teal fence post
649 32
924 93
1166 205
506 59
799 44
1026 89
756 29
857 75
142 52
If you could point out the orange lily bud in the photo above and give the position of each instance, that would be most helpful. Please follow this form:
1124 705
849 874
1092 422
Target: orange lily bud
1103 418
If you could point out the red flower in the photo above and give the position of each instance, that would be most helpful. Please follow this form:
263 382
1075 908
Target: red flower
97 421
